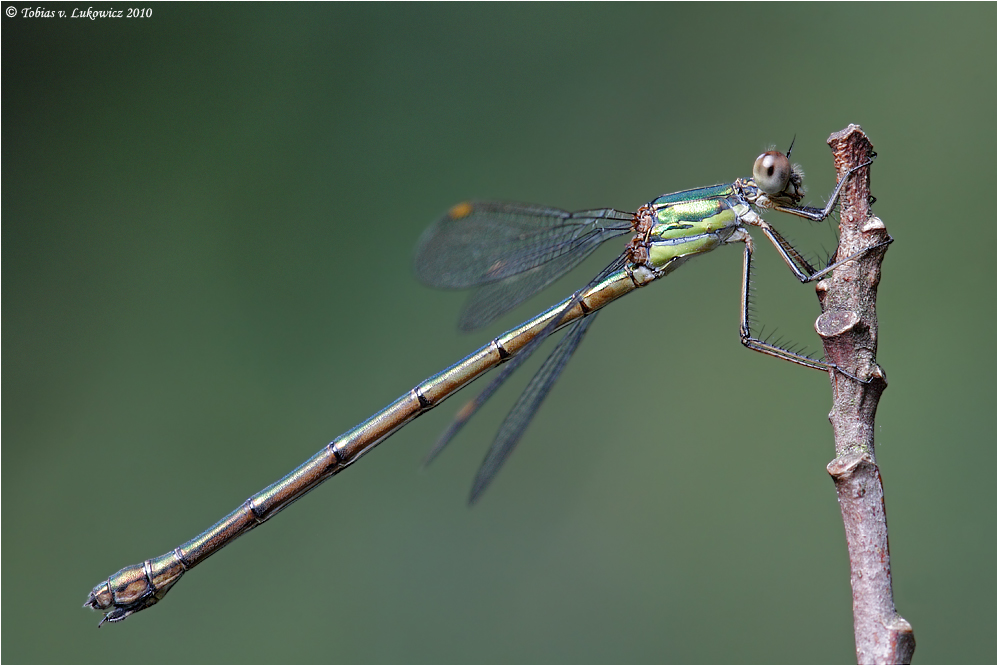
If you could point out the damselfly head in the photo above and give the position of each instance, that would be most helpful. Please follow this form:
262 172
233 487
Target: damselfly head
776 177
771 172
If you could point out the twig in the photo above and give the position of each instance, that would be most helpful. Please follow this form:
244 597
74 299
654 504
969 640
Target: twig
848 328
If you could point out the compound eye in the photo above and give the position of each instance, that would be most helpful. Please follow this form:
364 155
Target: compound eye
771 172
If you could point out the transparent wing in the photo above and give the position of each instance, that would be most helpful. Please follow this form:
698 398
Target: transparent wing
509 251
526 406
530 401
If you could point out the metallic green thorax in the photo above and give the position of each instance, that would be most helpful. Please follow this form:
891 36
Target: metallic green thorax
692 222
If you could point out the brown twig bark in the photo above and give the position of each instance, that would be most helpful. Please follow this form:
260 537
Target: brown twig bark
848 328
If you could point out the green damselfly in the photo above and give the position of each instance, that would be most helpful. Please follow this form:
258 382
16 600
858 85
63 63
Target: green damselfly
509 252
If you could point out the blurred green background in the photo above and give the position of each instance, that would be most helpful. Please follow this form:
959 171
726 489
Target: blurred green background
208 217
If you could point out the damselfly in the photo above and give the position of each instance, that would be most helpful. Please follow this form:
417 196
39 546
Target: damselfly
509 252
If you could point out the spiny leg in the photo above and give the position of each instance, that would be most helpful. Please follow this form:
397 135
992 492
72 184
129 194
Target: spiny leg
801 269
819 214
768 348
745 332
